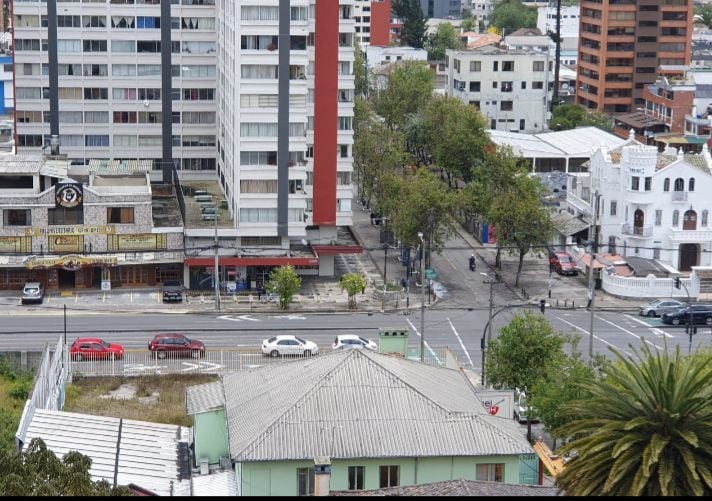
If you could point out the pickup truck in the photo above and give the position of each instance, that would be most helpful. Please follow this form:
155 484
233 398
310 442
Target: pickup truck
172 290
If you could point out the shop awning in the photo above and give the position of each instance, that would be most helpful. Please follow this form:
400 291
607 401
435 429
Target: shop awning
682 139
253 261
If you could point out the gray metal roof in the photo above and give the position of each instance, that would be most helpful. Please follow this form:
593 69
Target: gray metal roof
204 397
148 452
458 488
360 404
222 483
119 167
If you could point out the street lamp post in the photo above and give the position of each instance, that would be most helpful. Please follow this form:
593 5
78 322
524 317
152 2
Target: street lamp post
216 275
422 300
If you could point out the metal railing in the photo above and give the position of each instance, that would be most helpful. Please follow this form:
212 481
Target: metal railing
639 231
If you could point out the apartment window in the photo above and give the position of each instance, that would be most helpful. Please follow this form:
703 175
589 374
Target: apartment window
121 94
261 71
123 46
258 100
30 140
345 123
94 21
635 183
198 94
507 86
524 85
675 217
344 150
493 123
29 93
522 122
305 481
658 217
343 178
96 117
148 22
124 22
490 472
73 93
614 207
125 117
506 105
125 141
507 65
611 244
67 45
66 21
96 70
96 93
94 45
666 184
474 86
248 129
656 253
29 116
259 13
691 184
495 65
538 66
17 217
150 117
197 23
149 94
258 158
537 85
201 117
198 164
679 184
63 216
648 183
475 65
153 46
119 215
96 140
388 476
148 70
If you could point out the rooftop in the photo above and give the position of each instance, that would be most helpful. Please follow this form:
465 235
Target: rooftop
212 194
165 208
577 142
298 410
458 488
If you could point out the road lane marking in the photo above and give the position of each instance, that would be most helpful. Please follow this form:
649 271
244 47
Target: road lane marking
595 336
449 261
424 342
461 343
629 332
637 320
662 332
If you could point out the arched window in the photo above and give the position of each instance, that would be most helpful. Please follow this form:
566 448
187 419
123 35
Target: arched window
691 184
704 218
679 184
675 217
689 220
666 184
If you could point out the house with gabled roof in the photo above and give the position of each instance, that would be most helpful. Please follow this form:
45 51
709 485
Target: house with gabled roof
369 420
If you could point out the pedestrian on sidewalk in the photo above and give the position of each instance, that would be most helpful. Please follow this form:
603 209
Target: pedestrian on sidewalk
365 281
590 298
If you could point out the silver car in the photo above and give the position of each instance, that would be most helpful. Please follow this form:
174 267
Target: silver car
658 307
32 292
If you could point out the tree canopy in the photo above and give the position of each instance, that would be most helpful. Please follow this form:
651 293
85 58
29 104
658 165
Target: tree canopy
510 15
410 86
284 282
413 30
37 471
645 429
570 116
705 12
445 37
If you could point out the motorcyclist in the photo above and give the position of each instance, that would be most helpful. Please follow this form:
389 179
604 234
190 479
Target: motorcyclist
472 262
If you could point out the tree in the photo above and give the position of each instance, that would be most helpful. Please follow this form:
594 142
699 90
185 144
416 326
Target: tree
524 352
284 282
520 218
360 72
410 86
352 283
510 15
570 116
413 30
445 37
645 430
704 11
469 23
37 471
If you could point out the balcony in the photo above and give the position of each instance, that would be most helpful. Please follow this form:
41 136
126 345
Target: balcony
637 231
702 235
678 196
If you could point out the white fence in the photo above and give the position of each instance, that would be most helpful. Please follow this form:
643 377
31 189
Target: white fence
649 287
137 363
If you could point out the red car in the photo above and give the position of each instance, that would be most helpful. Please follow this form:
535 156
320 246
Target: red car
94 348
562 263
176 345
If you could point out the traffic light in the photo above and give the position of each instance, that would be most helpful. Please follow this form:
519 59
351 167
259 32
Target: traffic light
542 305
676 282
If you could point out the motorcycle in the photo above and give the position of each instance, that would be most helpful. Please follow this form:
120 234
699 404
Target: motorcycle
473 265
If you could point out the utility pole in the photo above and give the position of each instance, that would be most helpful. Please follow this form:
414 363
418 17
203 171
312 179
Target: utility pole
557 62
593 231
216 275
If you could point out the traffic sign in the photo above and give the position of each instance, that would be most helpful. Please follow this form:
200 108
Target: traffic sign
430 274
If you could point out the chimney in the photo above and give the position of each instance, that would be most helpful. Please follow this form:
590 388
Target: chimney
322 475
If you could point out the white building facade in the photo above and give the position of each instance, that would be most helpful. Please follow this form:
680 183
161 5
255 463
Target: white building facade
511 89
651 205
377 55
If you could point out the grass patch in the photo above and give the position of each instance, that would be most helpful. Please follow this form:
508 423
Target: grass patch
15 389
83 396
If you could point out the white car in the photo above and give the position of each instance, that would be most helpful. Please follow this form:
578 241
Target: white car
346 341
286 344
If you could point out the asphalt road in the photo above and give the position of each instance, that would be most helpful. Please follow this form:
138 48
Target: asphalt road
458 329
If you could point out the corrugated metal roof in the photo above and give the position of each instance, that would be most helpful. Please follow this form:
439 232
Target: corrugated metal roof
204 397
458 488
20 164
148 452
119 167
360 404
222 483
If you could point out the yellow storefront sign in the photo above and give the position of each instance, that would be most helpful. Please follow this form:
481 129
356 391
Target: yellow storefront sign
46 231
15 244
137 242
69 262
66 243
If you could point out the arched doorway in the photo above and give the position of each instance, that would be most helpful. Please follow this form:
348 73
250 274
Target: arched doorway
689 220
638 220
689 256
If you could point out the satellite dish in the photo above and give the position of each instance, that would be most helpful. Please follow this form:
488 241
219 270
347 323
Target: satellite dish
146 103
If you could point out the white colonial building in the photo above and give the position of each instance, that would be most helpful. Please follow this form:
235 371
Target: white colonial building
512 89
651 205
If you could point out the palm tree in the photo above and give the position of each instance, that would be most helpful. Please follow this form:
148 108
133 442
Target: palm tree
645 431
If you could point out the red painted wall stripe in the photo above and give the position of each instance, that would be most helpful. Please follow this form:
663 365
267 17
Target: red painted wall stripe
381 22
326 85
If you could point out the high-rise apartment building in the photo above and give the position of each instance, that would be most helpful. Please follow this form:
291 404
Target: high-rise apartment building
622 42
372 20
261 98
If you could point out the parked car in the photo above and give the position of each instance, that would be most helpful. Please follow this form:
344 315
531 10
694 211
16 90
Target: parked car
346 341
172 290
562 263
658 307
286 344
32 292
176 345
701 314
522 413
94 348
